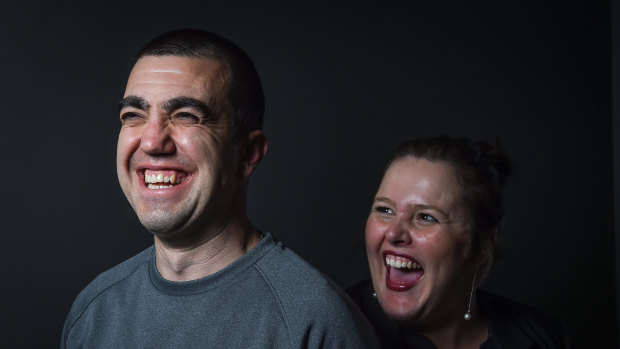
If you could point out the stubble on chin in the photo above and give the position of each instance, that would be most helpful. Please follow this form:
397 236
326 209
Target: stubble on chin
161 221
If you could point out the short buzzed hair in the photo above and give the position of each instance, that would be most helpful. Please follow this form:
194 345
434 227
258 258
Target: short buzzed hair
245 92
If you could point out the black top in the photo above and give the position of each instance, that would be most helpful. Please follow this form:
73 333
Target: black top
511 324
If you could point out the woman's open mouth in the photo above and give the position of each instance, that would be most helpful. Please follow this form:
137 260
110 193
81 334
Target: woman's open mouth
402 272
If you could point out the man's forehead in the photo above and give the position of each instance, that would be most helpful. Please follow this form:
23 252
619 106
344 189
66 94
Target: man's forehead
169 63
168 76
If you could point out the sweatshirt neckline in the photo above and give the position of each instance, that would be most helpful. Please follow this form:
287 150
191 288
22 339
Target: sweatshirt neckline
224 276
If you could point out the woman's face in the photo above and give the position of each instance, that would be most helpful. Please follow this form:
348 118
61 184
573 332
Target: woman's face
418 242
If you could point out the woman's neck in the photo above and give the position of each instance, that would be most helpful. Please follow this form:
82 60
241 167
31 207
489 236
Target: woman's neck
456 332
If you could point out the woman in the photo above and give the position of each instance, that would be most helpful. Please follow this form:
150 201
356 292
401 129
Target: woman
430 239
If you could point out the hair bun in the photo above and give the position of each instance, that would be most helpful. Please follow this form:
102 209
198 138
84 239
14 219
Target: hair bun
493 157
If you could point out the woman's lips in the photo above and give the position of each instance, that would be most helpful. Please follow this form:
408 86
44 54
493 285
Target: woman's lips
402 271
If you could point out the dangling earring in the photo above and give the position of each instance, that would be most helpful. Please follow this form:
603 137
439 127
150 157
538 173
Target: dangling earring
374 294
473 284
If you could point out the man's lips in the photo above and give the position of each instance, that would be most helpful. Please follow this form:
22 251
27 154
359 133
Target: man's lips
402 271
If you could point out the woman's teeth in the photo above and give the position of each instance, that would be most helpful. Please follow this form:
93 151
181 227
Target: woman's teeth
401 263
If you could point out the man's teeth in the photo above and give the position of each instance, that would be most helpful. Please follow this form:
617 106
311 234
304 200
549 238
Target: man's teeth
401 264
155 186
153 179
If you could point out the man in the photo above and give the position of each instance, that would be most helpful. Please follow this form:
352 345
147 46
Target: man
190 139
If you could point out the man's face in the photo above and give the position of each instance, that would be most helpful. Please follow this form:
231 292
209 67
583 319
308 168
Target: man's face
176 159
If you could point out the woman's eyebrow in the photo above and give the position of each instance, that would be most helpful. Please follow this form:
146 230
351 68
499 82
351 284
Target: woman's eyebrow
383 199
429 207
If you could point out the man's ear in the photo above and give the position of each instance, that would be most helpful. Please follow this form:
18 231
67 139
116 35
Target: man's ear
255 148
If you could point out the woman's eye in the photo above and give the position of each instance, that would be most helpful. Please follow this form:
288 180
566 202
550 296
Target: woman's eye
427 218
383 209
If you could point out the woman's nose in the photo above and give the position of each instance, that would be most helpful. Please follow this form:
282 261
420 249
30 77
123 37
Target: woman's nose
398 233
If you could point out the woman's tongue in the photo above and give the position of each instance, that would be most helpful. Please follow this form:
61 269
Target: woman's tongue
404 276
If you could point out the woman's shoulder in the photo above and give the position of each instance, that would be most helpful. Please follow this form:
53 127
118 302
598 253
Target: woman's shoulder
517 325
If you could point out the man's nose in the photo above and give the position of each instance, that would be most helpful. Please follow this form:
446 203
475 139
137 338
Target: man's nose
156 137
398 232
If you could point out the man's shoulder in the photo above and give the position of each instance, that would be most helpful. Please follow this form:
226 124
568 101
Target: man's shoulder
312 303
118 273
287 272
107 280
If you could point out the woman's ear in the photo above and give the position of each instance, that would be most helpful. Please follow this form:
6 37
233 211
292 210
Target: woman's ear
486 251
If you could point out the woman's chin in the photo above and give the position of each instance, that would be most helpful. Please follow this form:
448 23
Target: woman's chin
399 306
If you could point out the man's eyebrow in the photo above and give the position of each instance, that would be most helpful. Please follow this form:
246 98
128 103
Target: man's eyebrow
135 102
186 102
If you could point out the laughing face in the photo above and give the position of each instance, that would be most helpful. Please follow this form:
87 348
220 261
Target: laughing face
177 162
418 243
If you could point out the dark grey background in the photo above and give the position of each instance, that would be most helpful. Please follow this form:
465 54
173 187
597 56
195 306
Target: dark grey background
345 83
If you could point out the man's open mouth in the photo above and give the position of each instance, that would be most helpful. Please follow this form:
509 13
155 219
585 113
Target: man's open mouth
163 179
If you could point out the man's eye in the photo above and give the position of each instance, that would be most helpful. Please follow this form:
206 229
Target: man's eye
129 117
185 118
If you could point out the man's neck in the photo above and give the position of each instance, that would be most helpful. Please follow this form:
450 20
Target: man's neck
207 256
